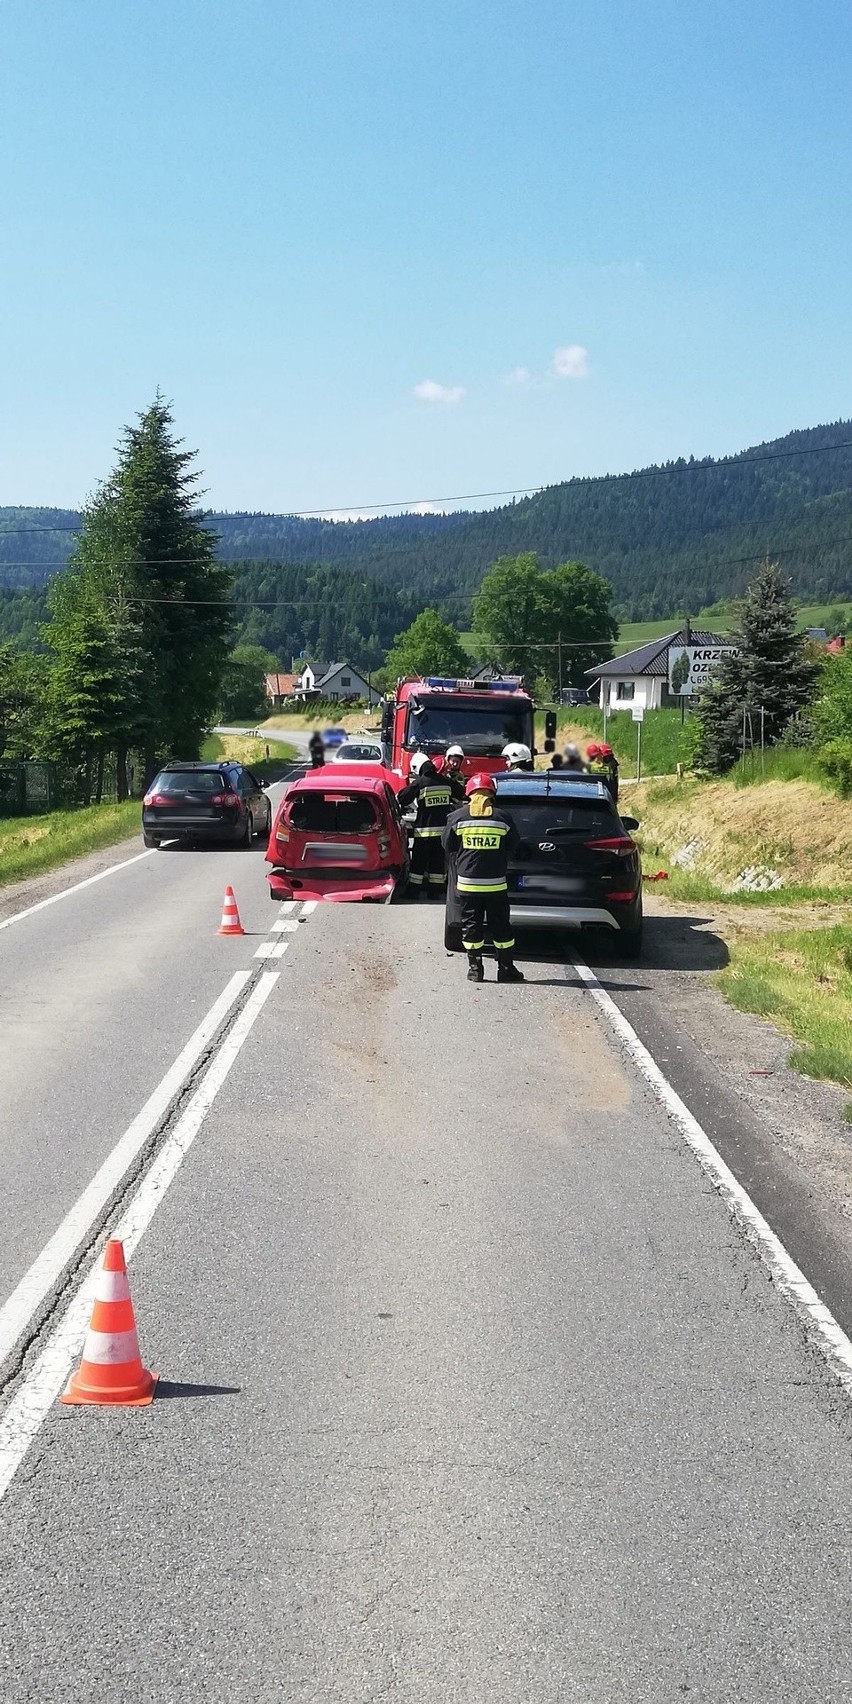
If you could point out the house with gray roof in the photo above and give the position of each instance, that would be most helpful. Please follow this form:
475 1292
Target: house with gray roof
641 677
335 682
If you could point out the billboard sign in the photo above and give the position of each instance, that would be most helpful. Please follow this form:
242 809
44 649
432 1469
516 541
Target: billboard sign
690 666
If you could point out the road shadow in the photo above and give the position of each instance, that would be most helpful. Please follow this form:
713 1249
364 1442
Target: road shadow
177 1387
669 943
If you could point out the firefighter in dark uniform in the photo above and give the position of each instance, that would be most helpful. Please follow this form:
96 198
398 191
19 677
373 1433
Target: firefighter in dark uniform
479 840
452 772
434 797
609 761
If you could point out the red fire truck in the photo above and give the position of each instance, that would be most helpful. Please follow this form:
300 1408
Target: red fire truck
482 716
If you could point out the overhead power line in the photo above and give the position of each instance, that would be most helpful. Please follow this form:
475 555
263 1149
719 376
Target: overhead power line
725 464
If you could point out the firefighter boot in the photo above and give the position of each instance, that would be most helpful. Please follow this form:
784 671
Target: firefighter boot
507 970
475 968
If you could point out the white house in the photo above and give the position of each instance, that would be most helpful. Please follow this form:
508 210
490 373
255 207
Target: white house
335 682
641 677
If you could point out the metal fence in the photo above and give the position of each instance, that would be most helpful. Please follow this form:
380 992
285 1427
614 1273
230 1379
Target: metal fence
30 788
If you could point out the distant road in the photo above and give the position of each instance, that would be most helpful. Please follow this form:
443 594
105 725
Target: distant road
290 736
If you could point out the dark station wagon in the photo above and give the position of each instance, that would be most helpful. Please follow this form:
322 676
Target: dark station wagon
576 867
205 801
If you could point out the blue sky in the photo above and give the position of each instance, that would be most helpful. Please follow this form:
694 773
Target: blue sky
294 217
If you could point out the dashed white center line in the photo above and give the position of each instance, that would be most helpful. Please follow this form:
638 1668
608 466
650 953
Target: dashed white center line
272 949
285 925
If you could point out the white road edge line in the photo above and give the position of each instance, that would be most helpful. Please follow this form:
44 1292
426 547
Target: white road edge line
820 1324
38 1281
42 1385
18 916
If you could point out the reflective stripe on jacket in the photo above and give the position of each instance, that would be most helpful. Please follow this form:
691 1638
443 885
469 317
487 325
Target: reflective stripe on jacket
481 847
434 803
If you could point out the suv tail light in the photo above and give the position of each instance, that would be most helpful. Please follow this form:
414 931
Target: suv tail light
231 801
620 844
158 799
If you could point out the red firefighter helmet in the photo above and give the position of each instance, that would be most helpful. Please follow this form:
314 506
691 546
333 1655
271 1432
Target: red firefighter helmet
594 750
605 751
480 784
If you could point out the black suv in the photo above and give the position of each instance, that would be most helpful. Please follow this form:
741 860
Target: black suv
205 801
576 866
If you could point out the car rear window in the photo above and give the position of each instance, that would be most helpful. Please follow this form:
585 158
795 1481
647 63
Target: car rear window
332 813
542 819
191 781
359 753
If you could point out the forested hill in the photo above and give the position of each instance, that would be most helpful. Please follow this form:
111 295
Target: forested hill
677 536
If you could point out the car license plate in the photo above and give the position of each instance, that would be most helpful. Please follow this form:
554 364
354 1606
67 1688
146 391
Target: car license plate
550 884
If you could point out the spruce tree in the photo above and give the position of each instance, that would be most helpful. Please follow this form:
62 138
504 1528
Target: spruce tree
146 562
771 672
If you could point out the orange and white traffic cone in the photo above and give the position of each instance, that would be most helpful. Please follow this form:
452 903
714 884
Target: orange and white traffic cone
230 924
111 1370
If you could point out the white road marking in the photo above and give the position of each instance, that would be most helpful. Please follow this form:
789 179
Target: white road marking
287 905
43 1383
16 1313
309 906
272 949
55 897
820 1324
285 925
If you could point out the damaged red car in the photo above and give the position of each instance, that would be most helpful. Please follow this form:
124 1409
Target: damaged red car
338 836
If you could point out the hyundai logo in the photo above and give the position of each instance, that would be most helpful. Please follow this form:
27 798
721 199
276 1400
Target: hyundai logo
546 846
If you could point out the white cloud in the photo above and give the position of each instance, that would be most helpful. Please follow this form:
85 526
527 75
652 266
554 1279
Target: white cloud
430 391
520 378
571 361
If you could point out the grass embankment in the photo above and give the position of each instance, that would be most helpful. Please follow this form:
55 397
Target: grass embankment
325 716
770 842
800 979
247 749
774 860
31 845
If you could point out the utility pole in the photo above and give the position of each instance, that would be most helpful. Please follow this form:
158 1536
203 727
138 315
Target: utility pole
688 631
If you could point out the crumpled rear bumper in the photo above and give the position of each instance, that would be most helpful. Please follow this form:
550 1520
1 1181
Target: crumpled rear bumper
377 886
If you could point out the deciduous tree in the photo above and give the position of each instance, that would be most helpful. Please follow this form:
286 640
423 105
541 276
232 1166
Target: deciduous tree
531 616
430 646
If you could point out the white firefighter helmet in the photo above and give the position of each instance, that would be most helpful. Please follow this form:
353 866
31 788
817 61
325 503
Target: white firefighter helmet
516 755
417 762
454 751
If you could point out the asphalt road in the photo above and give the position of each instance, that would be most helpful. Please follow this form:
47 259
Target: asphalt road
472 1390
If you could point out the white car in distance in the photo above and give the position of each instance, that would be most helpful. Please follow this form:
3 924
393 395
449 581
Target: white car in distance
362 750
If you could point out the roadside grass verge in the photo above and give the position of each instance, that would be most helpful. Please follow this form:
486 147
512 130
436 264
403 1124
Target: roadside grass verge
664 742
247 749
801 980
31 845
780 763
328 715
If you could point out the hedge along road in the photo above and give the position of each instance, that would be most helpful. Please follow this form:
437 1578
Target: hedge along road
483 1393
111 994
